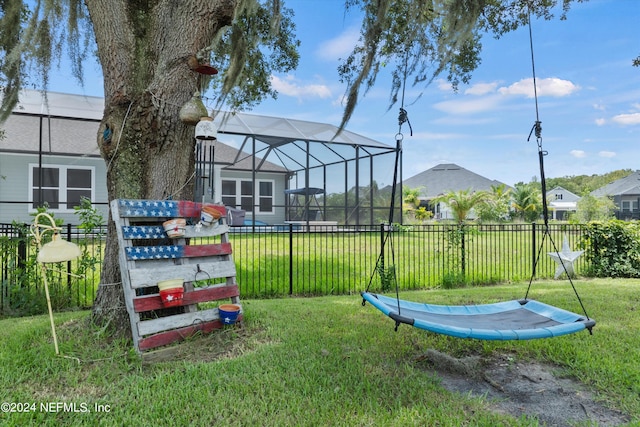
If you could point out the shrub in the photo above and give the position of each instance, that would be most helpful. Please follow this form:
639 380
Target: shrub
612 248
387 277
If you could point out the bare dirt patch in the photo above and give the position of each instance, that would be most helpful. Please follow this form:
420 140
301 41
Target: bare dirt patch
530 389
226 343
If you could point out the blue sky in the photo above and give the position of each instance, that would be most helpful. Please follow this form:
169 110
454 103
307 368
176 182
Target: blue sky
589 95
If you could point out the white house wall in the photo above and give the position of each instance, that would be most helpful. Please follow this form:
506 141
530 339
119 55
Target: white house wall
278 217
15 185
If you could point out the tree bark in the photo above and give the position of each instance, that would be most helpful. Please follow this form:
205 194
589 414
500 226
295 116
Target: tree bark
143 49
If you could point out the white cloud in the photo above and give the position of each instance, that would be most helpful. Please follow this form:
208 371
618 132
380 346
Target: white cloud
445 85
607 154
433 136
290 87
599 107
481 89
340 46
627 119
578 154
600 122
545 87
468 106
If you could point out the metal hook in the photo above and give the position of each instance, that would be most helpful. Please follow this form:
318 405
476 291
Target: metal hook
404 117
198 271
537 128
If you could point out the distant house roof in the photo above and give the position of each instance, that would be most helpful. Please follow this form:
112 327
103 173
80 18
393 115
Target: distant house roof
562 195
561 199
447 177
627 186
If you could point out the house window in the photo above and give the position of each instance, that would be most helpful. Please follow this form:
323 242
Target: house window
558 196
238 193
60 186
626 206
265 196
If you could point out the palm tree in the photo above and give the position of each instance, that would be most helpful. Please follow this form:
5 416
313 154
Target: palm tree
499 206
527 202
462 202
411 201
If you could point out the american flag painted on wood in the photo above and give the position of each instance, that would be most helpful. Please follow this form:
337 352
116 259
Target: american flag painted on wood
136 253
143 232
143 267
133 208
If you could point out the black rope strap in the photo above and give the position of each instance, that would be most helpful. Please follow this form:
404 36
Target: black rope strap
537 130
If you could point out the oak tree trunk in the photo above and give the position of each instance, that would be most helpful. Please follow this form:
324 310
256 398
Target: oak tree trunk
143 48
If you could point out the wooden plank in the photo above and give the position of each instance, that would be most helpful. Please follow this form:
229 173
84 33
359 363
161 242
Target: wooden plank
168 337
143 232
137 208
129 293
218 229
153 326
148 232
206 268
212 293
136 253
213 249
129 208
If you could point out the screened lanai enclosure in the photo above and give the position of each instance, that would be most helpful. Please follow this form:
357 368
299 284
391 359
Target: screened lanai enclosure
288 171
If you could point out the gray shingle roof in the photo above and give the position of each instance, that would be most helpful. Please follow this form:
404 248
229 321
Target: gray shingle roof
447 177
629 185
567 196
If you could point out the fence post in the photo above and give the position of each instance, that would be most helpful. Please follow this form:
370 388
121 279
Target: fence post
69 262
463 260
382 239
22 247
290 259
533 249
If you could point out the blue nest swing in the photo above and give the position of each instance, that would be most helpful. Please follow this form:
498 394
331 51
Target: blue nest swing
523 319
509 320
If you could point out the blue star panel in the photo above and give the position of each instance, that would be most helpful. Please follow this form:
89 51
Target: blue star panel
154 252
148 208
143 232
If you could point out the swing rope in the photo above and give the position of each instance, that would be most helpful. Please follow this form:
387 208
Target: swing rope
537 130
403 118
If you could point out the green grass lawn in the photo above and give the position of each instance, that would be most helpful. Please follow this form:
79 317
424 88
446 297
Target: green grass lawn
308 362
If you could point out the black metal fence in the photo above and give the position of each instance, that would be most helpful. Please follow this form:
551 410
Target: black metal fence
274 261
71 284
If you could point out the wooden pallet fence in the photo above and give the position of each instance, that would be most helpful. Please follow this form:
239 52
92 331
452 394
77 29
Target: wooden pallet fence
148 256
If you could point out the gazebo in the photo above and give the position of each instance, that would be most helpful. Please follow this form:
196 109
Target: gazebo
317 156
